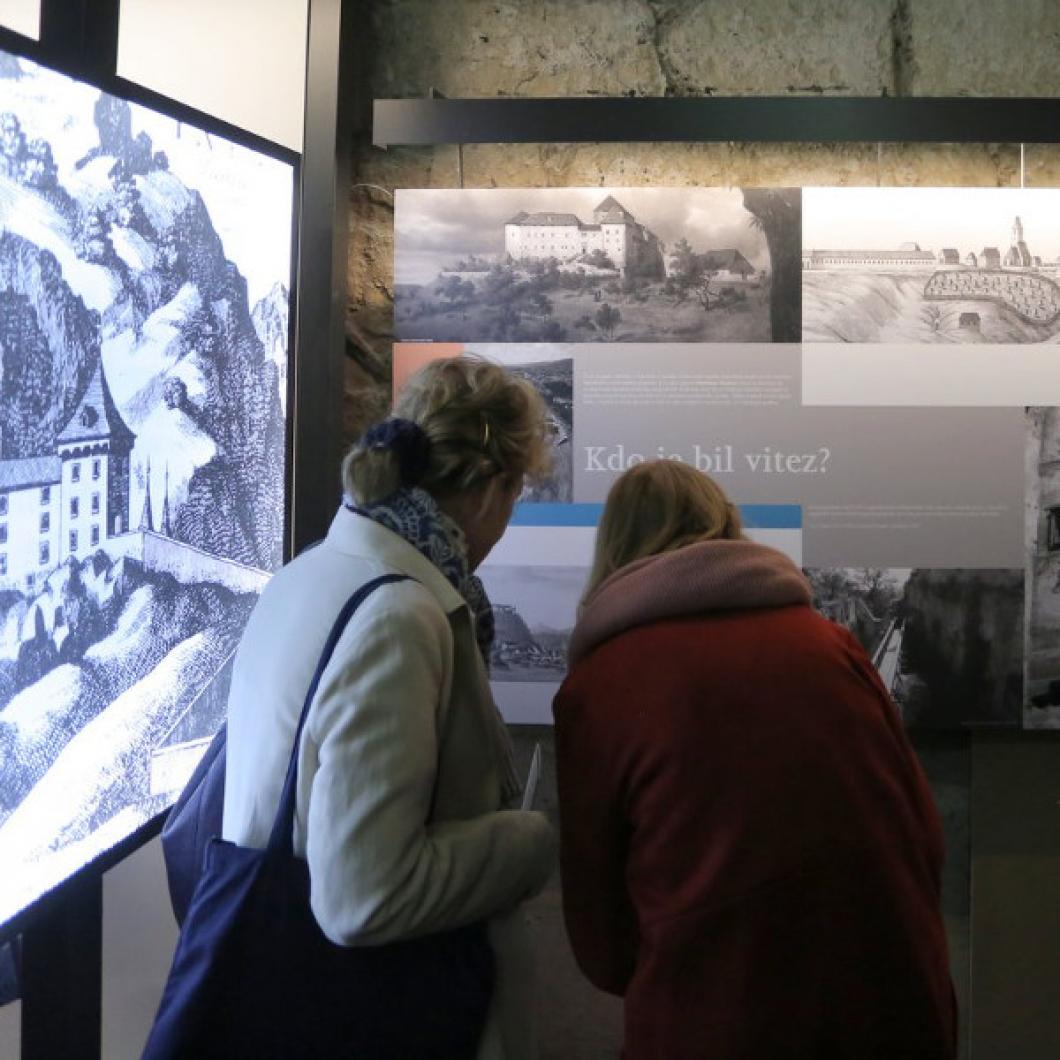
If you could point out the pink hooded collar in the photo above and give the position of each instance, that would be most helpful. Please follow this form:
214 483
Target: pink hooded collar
707 576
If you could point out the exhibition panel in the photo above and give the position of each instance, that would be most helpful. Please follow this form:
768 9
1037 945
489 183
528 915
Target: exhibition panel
903 452
146 266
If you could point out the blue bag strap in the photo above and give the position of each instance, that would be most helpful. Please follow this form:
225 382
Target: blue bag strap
281 840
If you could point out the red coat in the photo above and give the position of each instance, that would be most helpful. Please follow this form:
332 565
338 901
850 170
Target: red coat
750 850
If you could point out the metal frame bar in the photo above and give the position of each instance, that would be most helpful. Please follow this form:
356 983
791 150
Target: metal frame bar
320 296
81 36
765 119
62 973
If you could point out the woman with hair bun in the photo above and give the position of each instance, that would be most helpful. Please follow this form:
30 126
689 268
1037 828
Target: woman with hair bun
750 852
404 767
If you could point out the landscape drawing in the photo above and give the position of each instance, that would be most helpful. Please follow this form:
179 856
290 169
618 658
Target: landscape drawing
552 374
931 265
597 265
947 644
534 610
144 276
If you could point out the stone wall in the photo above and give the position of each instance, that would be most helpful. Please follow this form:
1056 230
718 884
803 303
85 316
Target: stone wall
465 48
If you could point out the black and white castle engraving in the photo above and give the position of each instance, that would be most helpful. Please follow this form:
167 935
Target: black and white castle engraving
142 352
597 265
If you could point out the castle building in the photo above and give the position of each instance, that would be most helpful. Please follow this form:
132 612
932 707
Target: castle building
728 264
990 258
1018 256
907 256
910 256
614 231
66 504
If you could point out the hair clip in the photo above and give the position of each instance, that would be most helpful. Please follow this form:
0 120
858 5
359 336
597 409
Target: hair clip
407 441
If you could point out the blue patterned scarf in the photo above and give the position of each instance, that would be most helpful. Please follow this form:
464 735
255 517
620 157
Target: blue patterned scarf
413 514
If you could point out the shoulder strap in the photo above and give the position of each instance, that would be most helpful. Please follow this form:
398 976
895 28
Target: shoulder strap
282 837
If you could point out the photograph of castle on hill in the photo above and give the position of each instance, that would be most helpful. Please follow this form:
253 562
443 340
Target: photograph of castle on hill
534 609
143 347
931 265
947 644
597 265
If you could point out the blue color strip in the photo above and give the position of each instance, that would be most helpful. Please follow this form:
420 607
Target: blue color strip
557 514
755 516
771 516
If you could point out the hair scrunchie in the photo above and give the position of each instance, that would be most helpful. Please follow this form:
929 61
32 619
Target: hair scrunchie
407 441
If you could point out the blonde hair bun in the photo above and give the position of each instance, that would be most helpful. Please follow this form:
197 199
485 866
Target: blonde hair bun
479 421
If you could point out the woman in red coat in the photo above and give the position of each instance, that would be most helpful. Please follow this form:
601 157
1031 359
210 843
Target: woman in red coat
750 851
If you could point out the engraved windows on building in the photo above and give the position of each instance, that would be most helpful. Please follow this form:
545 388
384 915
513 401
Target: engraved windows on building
3 504
73 540
45 522
75 471
95 536
45 494
97 466
95 504
75 507
45 553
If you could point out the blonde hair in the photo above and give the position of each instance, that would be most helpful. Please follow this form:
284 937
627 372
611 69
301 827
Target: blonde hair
482 421
657 507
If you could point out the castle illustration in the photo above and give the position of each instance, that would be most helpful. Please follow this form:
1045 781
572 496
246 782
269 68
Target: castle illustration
65 504
911 256
614 231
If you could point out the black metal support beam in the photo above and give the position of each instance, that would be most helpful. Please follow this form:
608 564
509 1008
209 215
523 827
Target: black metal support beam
62 974
80 36
320 298
765 119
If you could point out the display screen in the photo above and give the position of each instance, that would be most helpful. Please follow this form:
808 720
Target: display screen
145 266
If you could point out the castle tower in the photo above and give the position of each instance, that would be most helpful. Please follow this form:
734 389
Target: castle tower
166 529
1018 255
147 521
617 225
613 211
94 449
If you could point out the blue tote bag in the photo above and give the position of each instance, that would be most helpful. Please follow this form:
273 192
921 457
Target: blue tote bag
254 976
191 822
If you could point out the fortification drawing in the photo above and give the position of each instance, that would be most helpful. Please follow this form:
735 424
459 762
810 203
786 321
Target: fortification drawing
989 273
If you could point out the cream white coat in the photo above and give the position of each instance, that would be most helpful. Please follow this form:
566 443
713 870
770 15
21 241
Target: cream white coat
399 769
